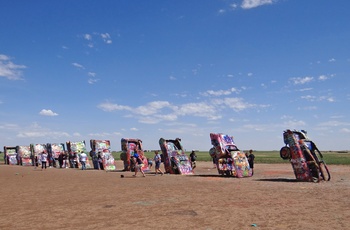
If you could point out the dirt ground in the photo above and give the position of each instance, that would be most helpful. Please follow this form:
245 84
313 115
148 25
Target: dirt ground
76 199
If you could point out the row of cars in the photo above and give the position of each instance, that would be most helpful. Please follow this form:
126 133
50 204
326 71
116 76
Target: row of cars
305 158
229 160
30 155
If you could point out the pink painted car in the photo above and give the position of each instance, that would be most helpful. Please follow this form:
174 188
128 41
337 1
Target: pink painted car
230 161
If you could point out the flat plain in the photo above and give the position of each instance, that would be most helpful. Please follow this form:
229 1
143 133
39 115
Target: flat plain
93 199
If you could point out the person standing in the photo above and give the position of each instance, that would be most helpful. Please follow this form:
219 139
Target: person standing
139 164
83 158
193 158
94 158
71 159
43 158
158 160
251 158
60 159
100 161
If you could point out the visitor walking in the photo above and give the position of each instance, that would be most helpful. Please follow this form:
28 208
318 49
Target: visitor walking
158 160
193 158
138 164
251 158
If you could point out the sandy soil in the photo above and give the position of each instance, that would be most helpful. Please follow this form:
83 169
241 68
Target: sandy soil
75 199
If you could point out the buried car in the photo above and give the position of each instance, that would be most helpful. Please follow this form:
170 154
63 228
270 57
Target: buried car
37 149
11 156
25 155
103 148
129 147
77 148
230 161
175 159
304 156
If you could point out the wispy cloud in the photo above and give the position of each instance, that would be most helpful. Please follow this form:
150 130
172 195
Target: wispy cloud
249 4
106 38
157 111
301 80
47 112
88 37
108 107
323 77
220 92
92 79
320 98
95 37
37 131
79 66
10 70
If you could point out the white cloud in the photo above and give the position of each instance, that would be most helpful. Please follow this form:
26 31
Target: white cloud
88 37
305 89
220 92
152 107
36 134
293 124
331 60
10 70
345 130
109 107
106 38
233 6
47 112
237 104
91 74
221 11
308 108
248 4
92 80
301 80
321 98
333 123
157 111
79 66
200 109
323 77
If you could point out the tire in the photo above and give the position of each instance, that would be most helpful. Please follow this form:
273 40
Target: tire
285 153
326 176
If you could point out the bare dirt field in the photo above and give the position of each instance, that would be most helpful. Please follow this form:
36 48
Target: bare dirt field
76 199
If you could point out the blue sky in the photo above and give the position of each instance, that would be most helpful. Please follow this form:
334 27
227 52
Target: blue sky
80 70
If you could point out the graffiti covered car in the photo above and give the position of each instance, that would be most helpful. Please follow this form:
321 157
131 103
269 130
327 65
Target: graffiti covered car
54 151
36 150
306 159
103 147
230 161
129 147
11 155
25 155
175 159
78 147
